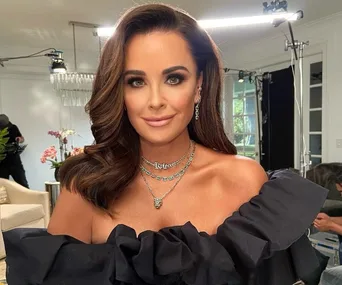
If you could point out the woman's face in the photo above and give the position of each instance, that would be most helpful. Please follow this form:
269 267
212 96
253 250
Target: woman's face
161 85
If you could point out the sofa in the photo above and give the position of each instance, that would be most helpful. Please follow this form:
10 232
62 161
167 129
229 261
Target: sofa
21 208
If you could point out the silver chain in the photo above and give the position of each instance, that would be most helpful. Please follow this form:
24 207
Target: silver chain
167 178
166 166
158 201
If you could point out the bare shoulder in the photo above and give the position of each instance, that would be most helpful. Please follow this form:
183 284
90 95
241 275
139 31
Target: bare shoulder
247 170
72 216
242 172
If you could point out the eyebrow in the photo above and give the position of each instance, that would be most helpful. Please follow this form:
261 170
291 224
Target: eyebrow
165 71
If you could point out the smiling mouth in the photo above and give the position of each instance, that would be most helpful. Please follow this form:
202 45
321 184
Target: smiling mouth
158 122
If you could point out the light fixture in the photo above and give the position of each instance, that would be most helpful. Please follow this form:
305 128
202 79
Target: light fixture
245 21
241 76
57 62
58 67
74 88
105 31
223 23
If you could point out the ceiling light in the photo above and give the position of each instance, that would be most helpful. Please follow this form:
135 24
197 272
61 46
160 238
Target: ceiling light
221 23
57 62
241 76
244 21
105 31
58 67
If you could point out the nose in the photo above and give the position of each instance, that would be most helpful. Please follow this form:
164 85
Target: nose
156 100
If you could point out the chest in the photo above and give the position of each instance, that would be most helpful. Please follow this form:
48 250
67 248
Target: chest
206 203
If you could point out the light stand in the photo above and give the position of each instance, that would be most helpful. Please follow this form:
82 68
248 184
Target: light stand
294 44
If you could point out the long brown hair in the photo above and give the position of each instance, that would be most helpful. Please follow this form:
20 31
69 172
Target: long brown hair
109 165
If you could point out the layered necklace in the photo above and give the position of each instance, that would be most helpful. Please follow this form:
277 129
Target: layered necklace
158 201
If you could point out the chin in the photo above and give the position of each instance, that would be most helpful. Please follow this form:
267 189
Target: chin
158 140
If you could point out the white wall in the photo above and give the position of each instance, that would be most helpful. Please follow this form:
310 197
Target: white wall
27 97
326 38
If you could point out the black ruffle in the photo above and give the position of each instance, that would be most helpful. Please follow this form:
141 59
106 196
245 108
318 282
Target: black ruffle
267 225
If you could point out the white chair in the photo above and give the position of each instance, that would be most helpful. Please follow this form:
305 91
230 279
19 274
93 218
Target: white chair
25 208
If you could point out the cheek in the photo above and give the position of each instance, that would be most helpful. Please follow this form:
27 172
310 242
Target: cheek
182 104
134 103
182 99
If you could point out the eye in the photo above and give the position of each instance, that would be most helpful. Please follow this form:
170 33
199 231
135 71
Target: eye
175 79
136 82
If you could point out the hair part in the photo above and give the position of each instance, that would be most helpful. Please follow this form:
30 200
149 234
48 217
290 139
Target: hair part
109 165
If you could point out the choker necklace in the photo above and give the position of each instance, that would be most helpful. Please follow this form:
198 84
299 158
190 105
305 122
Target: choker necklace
173 176
166 166
158 201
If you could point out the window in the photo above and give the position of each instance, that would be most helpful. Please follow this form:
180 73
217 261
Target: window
244 119
315 112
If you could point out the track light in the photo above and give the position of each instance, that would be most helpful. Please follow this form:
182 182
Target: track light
241 76
57 62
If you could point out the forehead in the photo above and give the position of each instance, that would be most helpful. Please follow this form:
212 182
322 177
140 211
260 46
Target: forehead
158 49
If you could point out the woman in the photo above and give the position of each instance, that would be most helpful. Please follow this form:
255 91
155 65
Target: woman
162 197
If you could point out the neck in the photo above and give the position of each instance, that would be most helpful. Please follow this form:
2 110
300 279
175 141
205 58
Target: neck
166 153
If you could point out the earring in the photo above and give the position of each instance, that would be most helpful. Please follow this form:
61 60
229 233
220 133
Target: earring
197 107
197 111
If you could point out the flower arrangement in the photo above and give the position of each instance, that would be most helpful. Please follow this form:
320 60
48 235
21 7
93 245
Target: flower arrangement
50 154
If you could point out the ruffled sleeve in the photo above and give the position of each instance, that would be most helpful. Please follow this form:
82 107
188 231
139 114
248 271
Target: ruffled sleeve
267 225
272 221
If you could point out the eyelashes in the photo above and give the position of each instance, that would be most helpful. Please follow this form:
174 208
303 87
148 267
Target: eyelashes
172 79
135 82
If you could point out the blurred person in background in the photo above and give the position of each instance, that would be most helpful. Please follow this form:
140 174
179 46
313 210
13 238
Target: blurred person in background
12 165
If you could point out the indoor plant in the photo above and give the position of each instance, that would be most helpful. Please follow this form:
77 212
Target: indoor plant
65 150
3 142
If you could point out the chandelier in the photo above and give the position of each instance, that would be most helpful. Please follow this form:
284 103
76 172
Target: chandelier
74 88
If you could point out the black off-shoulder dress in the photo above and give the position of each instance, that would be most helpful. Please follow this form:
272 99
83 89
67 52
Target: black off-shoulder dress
263 243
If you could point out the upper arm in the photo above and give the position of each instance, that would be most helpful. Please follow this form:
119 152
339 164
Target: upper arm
16 131
72 216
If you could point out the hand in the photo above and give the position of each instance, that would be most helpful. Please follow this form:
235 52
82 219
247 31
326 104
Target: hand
19 139
323 222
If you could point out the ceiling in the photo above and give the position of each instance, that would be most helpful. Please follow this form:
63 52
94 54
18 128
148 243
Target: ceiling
44 23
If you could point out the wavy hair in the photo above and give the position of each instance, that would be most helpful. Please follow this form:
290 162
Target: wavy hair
109 165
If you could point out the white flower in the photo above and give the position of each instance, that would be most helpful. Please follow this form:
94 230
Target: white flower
66 132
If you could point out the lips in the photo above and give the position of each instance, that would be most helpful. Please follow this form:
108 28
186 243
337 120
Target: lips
158 121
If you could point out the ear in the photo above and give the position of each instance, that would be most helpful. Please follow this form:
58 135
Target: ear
199 88
200 79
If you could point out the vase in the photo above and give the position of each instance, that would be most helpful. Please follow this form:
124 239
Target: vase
57 174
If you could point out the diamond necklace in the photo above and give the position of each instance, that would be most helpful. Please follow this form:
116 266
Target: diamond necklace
158 201
166 166
173 176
